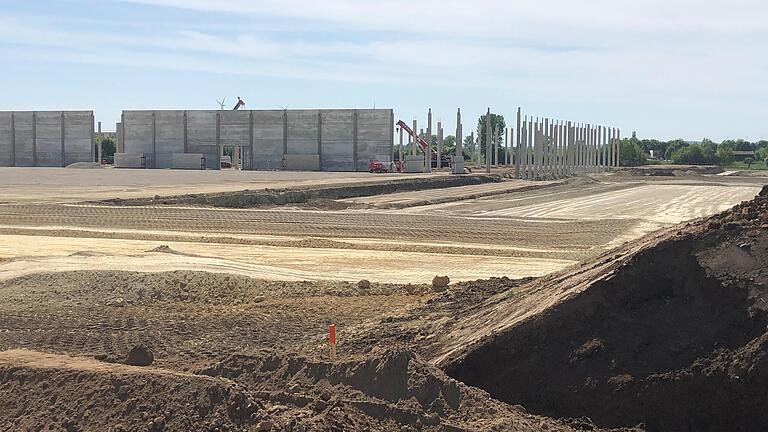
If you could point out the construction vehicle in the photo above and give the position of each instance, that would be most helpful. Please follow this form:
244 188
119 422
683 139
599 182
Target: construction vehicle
445 160
376 166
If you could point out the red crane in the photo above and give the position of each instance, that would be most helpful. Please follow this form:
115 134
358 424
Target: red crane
422 143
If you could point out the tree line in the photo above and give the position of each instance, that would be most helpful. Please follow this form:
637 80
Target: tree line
636 151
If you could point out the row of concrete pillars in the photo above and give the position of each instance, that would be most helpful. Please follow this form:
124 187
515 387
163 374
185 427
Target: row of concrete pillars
537 148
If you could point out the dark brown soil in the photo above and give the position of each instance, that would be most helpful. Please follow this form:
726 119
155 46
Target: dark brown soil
317 195
384 391
672 335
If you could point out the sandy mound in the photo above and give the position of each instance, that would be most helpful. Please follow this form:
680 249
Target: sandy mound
669 331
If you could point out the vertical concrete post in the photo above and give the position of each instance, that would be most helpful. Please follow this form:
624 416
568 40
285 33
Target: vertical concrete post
439 161
506 146
545 137
428 156
618 141
400 147
523 150
530 155
556 148
121 145
536 149
472 143
415 125
517 141
540 148
459 137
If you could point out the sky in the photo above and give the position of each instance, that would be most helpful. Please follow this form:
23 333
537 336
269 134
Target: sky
664 68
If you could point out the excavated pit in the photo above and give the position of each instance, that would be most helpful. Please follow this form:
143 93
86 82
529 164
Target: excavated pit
674 338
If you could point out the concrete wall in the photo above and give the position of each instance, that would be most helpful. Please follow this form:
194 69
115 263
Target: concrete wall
45 138
342 140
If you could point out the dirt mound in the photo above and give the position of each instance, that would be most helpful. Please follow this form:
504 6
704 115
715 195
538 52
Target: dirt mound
85 165
669 331
318 197
384 390
41 391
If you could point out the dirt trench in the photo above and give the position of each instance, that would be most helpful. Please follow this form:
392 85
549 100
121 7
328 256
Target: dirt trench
675 338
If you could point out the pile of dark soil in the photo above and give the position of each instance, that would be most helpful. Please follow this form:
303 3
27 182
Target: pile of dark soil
669 331
383 391
318 196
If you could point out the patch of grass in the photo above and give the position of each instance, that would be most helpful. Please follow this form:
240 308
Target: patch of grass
741 166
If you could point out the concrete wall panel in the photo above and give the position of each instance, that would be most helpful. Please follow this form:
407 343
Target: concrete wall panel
201 136
138 134
24 138
275 133
6 158
268 139
338 140
49 151
374 135
302 132
235 128
169 137
78 137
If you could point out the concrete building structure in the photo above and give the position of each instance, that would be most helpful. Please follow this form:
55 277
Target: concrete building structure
327 140
46 138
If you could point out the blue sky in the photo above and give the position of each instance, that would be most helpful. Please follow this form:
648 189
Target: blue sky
665 68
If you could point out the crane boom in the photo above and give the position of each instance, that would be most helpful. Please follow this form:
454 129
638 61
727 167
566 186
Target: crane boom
422 143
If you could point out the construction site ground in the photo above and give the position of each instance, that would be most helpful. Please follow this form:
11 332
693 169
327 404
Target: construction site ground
201 284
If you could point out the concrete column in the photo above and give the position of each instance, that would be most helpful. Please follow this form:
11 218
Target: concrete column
415 128
538 159
459 138
522 161
618 141
439 144
545 155
488 146
400 148
472 142
428 157
531 148
517 146
556 148
506 146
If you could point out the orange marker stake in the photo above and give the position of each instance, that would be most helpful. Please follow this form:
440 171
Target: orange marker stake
332 340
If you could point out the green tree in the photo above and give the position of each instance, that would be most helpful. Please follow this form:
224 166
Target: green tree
724 155
631 153
673 146
749 161
449 144
108 145
762 154
497 122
